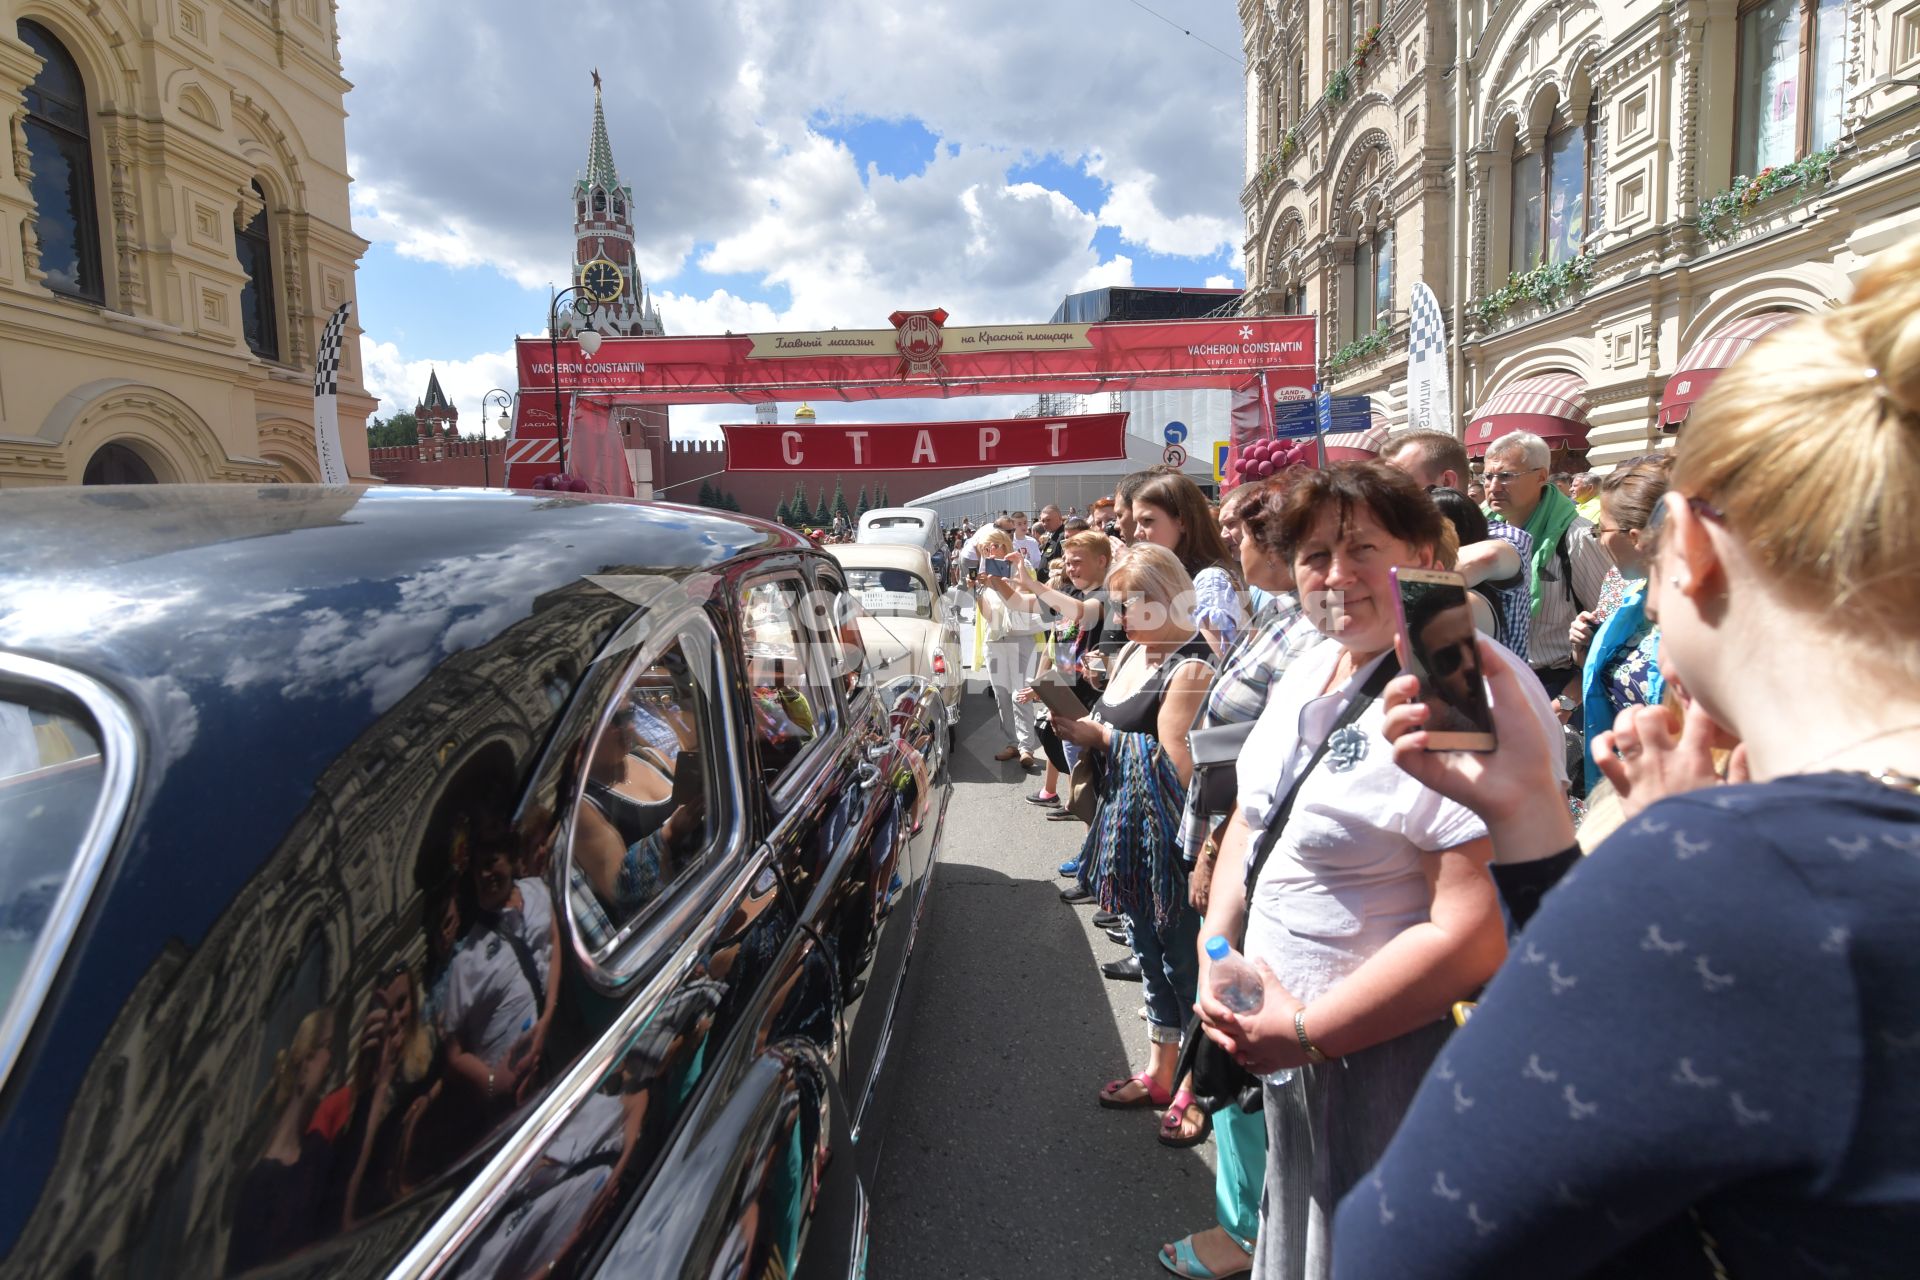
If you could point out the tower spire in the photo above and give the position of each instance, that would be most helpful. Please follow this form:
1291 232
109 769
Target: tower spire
600 170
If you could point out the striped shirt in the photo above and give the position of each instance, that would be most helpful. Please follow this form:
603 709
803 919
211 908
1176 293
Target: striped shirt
1515 604
1548 644
1278 634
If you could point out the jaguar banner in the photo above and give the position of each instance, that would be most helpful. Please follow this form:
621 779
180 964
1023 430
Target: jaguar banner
901 446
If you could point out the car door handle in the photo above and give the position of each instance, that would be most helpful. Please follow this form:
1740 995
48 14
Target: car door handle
868 777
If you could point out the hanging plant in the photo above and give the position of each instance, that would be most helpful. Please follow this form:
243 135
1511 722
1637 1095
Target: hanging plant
1550 284
1722 216
1339 86
1363 47
1356 351
1289 146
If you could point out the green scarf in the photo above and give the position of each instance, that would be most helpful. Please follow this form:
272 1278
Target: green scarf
1548 524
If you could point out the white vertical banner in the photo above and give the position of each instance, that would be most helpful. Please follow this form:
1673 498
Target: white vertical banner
1428 384
326 401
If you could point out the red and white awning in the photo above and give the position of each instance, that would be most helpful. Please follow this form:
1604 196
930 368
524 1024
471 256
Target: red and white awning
1356 446
1552 406
1709 356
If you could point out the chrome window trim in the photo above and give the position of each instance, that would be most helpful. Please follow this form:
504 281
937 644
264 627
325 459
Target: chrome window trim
119 747
680 902
811 763
473 1208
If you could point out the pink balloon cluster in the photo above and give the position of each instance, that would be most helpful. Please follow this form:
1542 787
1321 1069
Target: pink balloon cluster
1263 459
561 482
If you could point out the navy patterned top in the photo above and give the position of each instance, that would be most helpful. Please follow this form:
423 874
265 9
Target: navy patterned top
1719 1009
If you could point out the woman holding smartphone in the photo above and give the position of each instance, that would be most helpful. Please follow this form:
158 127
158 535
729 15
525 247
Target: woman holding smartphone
1009 626
1372 912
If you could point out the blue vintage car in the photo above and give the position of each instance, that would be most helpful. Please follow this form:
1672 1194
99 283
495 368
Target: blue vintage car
444 883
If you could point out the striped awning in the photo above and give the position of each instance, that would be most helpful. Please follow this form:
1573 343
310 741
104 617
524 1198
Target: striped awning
1552 406
1709 356
1356 446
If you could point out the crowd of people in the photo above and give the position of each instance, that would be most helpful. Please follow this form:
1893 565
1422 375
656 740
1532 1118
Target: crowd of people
1633 991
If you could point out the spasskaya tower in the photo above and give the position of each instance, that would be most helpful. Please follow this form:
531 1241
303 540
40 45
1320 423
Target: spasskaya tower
603 262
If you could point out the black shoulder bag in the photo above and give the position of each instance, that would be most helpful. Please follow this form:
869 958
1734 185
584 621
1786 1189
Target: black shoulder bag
1218 1080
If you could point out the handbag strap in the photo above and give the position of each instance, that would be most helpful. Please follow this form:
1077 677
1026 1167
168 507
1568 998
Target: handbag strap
1369 692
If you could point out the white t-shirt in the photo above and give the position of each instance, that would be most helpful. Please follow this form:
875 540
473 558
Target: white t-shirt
1346 876
489 1004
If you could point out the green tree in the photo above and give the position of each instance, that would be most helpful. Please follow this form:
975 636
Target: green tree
706 498
799 507
881 501
780 513
388 433
732 503
822 513
840 511
864 506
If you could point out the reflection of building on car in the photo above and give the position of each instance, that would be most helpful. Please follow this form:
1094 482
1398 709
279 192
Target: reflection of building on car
437 947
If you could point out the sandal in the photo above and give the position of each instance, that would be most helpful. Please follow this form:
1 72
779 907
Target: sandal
1156 1094
1176 1117
1185 1262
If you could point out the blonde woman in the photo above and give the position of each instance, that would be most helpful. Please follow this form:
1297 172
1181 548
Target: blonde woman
1009 626
1701 1058
1132 858
276 1210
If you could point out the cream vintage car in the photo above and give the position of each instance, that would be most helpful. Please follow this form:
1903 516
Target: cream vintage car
909 626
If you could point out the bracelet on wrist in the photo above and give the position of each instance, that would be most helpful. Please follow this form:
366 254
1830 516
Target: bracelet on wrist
1307 1046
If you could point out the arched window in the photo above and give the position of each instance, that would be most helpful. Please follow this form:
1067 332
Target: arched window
259 303
1792 76
599 200
1552 197
619 207
117 464
1293 300
66 218
1372 291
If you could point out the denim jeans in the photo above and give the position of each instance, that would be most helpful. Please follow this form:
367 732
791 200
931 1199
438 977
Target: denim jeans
1169 966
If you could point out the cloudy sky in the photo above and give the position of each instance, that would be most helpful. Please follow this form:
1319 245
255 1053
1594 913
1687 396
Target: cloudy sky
795 164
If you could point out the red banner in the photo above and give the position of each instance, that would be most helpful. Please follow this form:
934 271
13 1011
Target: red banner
903 446
922 359
595 451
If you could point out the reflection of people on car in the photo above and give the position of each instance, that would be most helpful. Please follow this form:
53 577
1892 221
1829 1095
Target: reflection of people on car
502 982
393 1069
275 1208
1441 632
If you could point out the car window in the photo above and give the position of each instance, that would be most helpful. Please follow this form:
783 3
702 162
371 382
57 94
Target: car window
891 593
896 522
787 709
643 819
54 782
843 612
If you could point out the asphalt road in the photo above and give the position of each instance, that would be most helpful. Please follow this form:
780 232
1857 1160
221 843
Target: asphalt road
997 1160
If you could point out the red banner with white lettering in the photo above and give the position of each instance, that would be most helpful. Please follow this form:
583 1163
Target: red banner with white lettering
934 446
922 359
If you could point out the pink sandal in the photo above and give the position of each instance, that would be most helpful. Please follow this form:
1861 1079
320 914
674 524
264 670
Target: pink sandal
1156 1096
1170 1135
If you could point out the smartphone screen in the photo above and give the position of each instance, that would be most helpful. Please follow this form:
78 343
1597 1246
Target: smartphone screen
1441 646
997 568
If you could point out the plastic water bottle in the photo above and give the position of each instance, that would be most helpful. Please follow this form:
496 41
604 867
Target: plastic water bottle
1236 985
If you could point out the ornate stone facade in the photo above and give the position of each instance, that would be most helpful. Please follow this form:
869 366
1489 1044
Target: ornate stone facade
188 107
1352 130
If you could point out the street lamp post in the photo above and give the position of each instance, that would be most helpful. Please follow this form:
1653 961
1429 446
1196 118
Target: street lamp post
506 425
584 305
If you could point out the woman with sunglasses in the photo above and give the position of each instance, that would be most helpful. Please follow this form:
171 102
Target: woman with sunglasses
1701 1058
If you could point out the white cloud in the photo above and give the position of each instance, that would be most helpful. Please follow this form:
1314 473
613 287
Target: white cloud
399 382
1222 282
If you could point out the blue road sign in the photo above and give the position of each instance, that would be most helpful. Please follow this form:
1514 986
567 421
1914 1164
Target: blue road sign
1174 433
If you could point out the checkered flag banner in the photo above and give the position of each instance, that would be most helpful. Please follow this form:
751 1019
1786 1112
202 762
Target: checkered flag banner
326 401
1428 384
